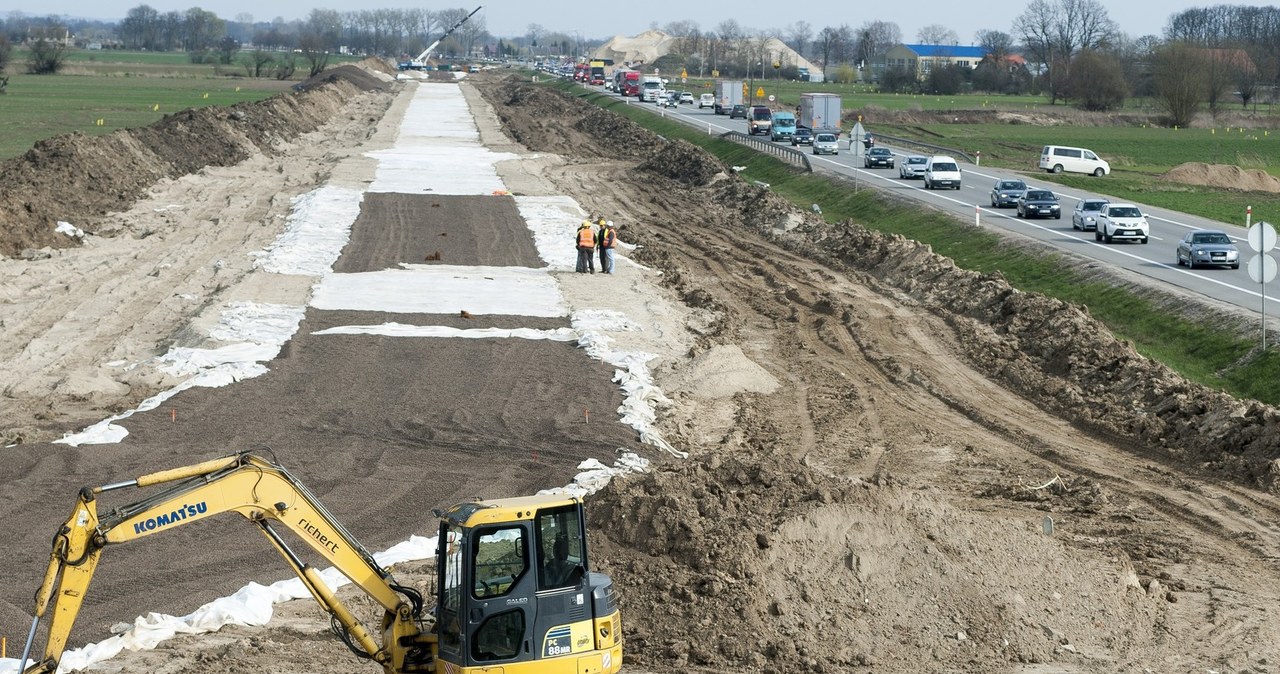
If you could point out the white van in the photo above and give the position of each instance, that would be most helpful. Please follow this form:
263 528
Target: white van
1056 159
941 171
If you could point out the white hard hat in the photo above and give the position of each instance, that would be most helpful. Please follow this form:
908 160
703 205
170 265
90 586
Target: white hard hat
610 223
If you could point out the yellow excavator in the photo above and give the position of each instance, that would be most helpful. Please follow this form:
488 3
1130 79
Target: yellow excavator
514 593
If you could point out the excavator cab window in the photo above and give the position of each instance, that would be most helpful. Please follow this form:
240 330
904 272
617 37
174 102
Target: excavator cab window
560 548
500 560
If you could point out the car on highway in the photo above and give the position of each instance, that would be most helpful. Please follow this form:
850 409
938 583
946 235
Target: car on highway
1037 203
878 157
1006 192
912 167
802 136
941 171
826 143
1121 222
706 101
1208 247
738 112
1085 216
686 97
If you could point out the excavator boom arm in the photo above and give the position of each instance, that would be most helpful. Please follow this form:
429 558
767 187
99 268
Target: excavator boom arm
252 486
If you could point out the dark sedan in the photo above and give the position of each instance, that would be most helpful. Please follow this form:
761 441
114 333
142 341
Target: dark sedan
878 156
1006 193
802 136
1039 204
738 111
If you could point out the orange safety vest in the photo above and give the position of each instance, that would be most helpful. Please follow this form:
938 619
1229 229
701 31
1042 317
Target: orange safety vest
607 237
586 238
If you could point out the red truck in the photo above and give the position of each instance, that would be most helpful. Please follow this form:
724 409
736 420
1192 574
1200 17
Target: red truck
626 82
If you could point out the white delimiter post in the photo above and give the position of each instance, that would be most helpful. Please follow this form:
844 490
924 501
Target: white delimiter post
977 215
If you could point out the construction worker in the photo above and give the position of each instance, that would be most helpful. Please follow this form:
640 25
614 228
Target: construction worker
606 239
585 241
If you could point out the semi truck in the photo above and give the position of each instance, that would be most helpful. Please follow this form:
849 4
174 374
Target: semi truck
650 85
728 94
820 112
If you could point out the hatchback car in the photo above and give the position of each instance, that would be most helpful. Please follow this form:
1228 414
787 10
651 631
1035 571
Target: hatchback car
802 136
738 112
686 97
706 101
1039 204
1007 192
826 143
1208 246
912 167
1085 217
878 156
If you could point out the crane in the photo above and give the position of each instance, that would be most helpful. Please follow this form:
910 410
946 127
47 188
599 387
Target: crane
421 61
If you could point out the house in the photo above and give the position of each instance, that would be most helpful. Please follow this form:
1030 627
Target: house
924 57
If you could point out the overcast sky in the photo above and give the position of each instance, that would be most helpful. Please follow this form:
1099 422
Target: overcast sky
505 18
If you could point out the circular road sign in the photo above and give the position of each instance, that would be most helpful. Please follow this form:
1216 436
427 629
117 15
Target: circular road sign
1262 268
1262 236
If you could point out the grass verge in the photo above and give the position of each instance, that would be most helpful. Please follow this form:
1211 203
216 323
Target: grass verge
1213 355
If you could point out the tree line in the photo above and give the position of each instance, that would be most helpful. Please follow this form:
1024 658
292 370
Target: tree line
1072 50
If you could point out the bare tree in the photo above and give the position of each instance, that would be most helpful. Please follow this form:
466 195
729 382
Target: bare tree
875 38
1054 31
6 52
937 34
996 44
1179 81
826 45
798 36
1097 81
315 52
48 51
326 26
257 63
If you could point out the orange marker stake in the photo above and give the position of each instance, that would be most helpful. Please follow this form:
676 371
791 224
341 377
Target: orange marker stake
586 414
173 415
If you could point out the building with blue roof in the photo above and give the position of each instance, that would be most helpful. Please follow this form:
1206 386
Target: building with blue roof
924 57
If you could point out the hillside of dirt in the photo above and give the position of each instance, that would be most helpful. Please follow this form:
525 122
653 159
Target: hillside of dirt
896 465
1223 175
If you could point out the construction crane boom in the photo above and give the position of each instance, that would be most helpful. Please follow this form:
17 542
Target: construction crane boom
421 62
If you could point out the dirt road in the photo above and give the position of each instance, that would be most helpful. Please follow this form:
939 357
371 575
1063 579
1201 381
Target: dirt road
896 466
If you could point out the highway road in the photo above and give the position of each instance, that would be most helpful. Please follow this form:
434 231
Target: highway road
971 203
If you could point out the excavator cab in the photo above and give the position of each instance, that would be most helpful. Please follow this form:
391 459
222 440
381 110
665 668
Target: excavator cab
515 590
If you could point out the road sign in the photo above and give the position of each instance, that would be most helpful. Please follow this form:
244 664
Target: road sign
1262 236
684 74
771 98
759 92
715 73
1262 268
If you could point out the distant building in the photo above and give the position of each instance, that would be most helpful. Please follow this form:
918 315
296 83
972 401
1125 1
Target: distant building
925 57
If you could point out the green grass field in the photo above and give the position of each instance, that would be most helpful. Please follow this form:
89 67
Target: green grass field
1211 355
99 92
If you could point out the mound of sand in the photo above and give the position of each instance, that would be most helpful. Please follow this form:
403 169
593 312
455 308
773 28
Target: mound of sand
1223 175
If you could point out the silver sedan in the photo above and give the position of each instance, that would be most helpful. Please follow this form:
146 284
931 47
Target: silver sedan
1208 246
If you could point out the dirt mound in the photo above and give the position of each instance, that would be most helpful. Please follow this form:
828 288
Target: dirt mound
79 179
684 163
1223 175
361 76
